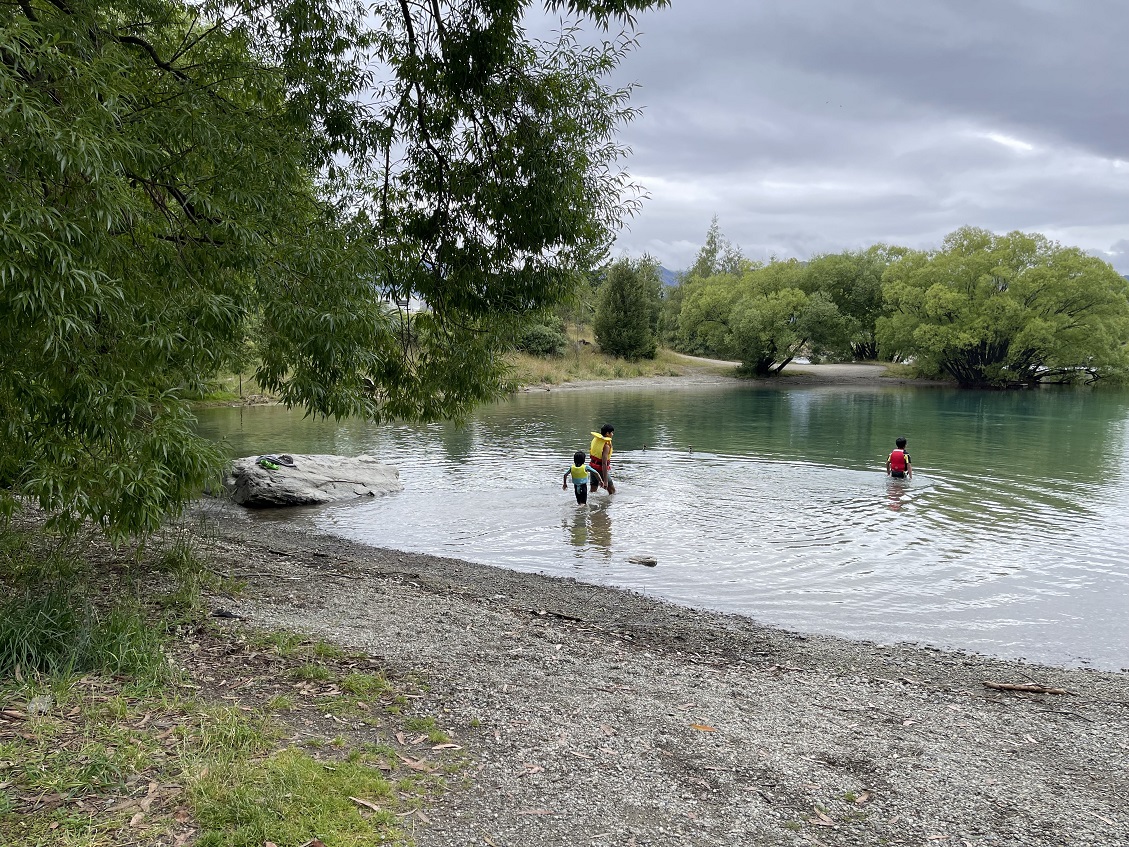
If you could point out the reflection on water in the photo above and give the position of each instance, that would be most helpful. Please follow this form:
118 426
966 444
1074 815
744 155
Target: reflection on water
897 492
781 511
589 529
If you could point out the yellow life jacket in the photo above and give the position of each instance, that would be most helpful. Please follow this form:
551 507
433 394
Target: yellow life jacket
596 450
579 473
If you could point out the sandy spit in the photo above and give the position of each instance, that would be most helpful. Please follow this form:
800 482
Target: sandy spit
697 371
598 716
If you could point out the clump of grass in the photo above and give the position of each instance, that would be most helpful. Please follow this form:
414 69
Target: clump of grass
326 650
370 685
227 733
310 672
289 798
426 725
283 642
59 632
280 703
31 557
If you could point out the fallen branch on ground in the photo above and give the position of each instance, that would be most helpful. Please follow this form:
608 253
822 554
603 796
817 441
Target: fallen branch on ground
1029 688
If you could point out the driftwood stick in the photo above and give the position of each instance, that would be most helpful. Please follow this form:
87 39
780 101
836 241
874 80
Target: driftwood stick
1030 688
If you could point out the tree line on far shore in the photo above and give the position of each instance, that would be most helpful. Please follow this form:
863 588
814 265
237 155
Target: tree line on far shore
984 310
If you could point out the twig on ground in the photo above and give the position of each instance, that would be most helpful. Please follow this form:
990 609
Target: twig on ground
1029 688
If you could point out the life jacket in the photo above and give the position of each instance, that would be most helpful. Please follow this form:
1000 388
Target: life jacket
579 474
898 461
596 451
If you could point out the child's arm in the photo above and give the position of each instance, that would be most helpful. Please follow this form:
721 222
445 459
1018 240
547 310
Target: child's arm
564 482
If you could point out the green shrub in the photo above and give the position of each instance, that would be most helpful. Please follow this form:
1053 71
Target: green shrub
542 340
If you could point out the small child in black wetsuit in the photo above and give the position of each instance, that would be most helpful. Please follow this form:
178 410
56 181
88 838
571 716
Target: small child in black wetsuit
579 473
898 463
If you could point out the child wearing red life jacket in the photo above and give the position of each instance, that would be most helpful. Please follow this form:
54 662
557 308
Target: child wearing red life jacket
898 463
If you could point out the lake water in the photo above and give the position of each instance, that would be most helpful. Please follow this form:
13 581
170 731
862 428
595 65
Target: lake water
772 503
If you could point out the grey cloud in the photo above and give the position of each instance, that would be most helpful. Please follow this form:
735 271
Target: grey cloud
818 125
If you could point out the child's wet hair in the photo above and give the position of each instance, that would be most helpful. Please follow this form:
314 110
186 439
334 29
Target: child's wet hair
578 458
900 441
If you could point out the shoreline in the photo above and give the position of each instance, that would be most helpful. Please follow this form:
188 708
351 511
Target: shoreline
700 371
632 721
704 372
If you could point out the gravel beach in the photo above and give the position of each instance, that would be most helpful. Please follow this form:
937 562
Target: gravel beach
597 716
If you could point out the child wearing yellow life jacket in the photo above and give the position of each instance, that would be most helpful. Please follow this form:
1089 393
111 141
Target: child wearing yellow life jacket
579 473
600 458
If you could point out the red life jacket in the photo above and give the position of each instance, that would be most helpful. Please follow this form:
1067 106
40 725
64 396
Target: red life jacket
898 461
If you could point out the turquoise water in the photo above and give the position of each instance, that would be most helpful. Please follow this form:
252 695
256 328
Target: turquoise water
772 503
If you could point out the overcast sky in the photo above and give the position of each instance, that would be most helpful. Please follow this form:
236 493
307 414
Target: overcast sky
813 126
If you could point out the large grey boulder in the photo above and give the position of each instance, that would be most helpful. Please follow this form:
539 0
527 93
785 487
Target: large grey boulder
309 480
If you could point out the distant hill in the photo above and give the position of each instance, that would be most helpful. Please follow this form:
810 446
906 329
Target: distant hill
669 277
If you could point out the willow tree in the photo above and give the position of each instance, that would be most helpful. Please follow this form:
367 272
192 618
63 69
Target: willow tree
775 320
853 281
1000 310
182 180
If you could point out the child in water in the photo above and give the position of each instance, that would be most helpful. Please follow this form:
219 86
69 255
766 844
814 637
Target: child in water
898 463
600 458
579 473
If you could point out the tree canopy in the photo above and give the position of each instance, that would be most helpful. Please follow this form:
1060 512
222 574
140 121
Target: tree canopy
188 182
853 282
984 310
998 310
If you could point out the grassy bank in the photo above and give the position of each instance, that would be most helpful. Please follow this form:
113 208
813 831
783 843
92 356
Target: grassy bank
130 715
585 363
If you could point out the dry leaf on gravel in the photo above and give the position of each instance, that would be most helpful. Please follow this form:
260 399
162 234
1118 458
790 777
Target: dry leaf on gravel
821 819
368 804
702 727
